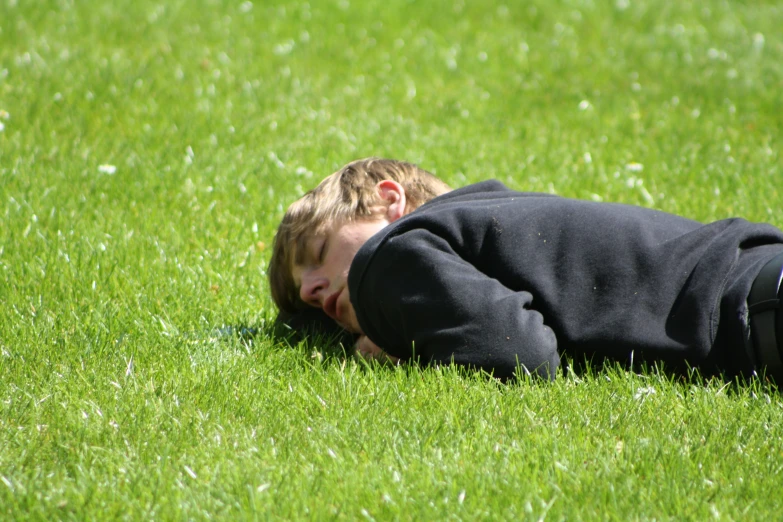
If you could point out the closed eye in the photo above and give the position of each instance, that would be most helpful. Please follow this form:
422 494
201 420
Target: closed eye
322 252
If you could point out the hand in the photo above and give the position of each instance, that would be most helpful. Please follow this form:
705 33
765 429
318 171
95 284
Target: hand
370 351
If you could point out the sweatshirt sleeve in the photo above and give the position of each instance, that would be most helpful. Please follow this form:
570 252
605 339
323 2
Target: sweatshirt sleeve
417 298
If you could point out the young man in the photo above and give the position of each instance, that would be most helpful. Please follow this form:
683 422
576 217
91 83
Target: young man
505 281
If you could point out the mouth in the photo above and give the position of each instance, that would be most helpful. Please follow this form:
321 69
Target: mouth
330 306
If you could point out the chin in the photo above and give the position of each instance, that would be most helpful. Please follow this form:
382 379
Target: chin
351 327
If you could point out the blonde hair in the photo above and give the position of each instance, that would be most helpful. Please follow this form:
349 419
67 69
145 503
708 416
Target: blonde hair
348 194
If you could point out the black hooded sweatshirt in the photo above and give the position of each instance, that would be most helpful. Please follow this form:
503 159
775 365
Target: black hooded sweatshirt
489 278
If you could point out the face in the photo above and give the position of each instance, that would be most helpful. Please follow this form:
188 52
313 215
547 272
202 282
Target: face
323 277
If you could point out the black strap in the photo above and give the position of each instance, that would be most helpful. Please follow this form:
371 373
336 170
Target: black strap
763 303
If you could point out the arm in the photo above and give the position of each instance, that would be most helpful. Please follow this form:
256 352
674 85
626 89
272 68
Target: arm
370 351
419 299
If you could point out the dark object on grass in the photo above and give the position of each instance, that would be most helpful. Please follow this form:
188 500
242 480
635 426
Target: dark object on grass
311 323
245 333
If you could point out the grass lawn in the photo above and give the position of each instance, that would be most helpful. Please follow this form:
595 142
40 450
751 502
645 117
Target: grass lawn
148 150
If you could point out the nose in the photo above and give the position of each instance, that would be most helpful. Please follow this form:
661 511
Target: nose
313 289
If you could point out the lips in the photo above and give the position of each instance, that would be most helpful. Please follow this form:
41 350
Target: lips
330 306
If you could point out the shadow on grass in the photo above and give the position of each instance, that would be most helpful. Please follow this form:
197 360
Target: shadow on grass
311 328
315 332
681 374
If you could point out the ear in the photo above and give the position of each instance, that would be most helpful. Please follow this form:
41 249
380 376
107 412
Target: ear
392 194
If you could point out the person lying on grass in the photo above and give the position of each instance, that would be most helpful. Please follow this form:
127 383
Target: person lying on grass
507 282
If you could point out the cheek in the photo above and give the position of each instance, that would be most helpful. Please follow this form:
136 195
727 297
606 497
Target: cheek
342 261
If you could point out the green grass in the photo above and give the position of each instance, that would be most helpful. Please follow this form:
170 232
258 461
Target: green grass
117 398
